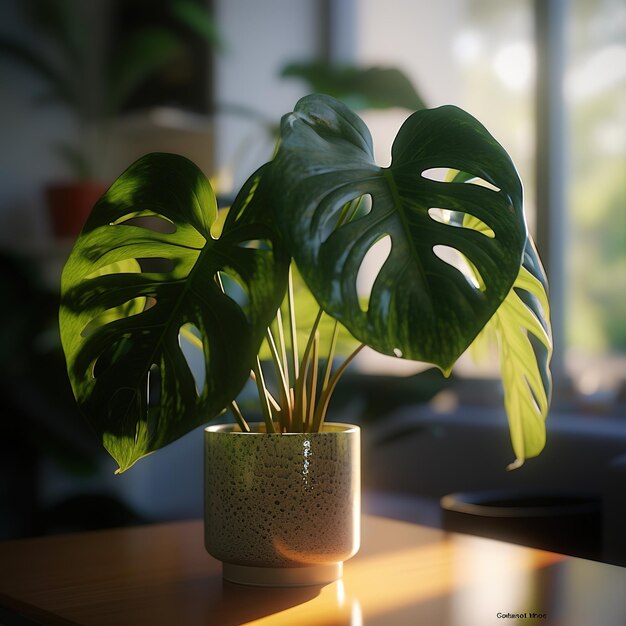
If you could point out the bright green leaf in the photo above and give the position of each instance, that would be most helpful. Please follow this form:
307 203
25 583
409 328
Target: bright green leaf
122 320
521 328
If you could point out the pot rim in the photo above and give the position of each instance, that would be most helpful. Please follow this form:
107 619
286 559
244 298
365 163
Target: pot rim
228 429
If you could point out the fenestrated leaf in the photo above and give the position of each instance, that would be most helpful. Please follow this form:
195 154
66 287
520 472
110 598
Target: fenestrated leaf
420 306
521 327
121 319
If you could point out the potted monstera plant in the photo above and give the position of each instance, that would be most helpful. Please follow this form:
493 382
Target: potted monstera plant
282 495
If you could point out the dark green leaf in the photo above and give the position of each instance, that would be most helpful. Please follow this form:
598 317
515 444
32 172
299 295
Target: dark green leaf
144 53
197 18
359 88
122 321
420 306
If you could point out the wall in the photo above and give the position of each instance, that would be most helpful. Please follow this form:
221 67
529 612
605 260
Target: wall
259 39
27 131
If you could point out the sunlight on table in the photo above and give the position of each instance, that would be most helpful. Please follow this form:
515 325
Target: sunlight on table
457 578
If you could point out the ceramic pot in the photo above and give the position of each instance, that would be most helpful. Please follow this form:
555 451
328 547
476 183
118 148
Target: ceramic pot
282 509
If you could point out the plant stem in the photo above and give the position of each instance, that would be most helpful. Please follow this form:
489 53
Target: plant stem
322 407
263 397
234 407
354 209
282 345
285 413
331 356
313 392
292 325
345 211
301 404
283 351
304 412
270 397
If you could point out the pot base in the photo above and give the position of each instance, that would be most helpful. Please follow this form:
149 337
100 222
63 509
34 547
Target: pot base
282 576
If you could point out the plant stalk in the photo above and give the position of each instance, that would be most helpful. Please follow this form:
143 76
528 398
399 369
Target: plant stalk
331 356
234 407
322 407
285 413
270 397
301 404
292 325
313 389
282 346
263 397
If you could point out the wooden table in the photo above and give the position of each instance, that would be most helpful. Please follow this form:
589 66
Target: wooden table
405 574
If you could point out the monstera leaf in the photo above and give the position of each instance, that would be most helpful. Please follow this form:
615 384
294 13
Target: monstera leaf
521 329
145 271
420 307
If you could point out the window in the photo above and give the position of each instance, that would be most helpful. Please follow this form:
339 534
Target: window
595 262
488 57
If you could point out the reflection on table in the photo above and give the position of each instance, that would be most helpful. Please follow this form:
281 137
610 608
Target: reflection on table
405 574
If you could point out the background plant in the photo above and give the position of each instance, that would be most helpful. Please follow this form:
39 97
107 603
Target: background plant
460 260
86 74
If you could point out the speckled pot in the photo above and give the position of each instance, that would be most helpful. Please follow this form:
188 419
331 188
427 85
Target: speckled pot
282 510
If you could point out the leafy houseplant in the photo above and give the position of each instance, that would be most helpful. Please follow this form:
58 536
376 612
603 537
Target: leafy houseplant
134 299
89 79
358 87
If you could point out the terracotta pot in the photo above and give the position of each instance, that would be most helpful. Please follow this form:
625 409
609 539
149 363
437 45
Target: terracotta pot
282 509
70 204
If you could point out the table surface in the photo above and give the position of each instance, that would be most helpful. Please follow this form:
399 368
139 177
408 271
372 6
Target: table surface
404 575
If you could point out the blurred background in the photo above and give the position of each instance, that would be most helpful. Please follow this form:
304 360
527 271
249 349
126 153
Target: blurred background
87 87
